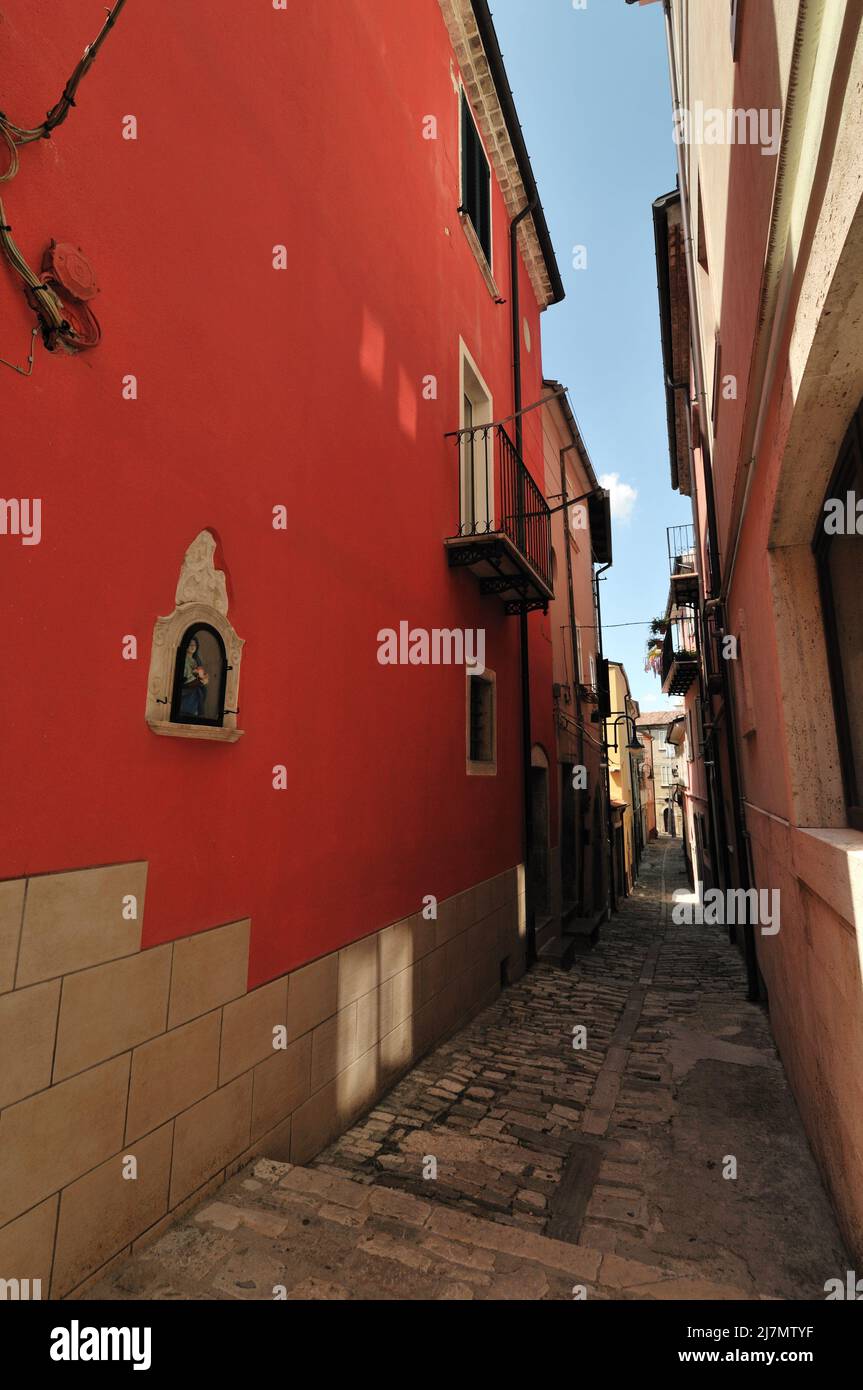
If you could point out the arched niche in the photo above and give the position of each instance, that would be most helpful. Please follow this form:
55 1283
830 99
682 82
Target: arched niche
194 680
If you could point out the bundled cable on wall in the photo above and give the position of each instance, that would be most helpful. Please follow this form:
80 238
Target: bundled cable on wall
58 294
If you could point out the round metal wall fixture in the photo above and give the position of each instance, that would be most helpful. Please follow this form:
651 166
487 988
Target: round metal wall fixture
68 265
86 332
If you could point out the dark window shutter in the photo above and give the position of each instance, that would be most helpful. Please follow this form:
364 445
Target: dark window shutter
475 180
603 689
481 720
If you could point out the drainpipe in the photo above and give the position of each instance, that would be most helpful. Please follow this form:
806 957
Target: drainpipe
714 602
526 738
579 823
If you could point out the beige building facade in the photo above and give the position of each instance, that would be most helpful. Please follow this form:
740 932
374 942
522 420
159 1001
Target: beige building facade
664 769
625 755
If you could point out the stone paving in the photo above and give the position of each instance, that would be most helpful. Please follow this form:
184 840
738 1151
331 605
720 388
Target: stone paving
512 1164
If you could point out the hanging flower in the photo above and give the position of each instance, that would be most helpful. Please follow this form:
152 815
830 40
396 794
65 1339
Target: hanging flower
653 660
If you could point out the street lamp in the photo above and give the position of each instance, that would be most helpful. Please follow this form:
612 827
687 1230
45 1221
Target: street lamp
633 745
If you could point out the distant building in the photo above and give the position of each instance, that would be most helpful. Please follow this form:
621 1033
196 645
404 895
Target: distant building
665 770
648 798
624 760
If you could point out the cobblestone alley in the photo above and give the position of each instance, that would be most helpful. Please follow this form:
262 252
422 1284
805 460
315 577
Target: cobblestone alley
512 1165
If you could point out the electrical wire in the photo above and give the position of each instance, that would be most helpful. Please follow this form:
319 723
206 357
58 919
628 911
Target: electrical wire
606 626
41 297
56 116
28 370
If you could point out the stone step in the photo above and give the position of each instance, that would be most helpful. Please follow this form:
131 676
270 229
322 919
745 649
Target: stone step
545 932
559 951
582 932
276 1231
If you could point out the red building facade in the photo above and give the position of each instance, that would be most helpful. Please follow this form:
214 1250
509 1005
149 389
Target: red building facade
304 287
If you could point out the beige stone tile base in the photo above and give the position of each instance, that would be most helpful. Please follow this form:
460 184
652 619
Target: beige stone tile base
166 1053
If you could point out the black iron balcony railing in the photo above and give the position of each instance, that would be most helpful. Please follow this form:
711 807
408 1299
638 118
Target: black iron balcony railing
681 550
499 498
679 658
682 564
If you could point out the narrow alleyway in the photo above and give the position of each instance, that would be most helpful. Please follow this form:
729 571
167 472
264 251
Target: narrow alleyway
599 1168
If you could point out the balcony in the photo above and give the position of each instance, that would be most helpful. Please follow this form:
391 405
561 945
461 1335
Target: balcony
679 657
504 534
682 564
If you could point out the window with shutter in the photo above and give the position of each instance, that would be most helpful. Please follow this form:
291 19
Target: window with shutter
481 724
475 179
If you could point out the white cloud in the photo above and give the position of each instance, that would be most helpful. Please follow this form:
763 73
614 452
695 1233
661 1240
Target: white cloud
622 496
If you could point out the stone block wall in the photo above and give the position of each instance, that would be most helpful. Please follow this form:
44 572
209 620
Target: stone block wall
134 1081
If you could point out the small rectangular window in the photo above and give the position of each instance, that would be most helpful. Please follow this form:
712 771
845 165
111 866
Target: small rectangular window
481 723
702 235
475 179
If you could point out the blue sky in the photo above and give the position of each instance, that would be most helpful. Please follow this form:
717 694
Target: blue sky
591 88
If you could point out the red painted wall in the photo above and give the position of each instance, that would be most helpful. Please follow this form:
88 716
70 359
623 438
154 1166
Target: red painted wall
256 387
